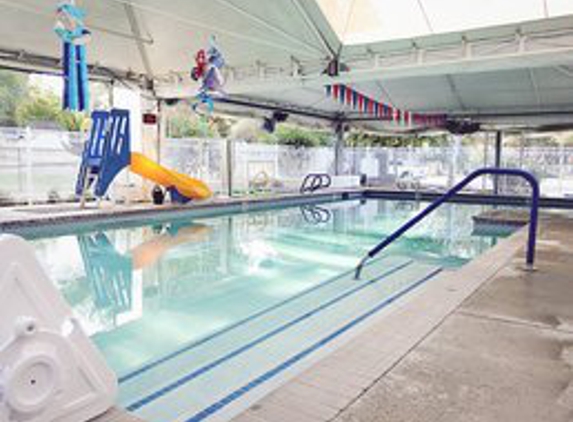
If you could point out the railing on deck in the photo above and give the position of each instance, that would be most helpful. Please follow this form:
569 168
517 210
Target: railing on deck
530 178
315 181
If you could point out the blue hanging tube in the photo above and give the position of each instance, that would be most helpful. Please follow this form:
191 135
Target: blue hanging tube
83 79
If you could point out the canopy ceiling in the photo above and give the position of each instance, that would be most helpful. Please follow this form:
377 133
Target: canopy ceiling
362 21
504 62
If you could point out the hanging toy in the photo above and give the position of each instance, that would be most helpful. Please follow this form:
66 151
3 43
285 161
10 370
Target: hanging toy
207 71
70 28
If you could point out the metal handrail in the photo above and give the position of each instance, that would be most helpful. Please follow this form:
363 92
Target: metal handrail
314 181
533 216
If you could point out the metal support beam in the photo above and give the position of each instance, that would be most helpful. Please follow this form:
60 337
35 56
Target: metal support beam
314 28
497 164
338 146
136 31
262 22
218 30
24 61
17 5
466 56
257 105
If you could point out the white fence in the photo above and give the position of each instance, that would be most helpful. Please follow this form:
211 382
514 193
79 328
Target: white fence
36 165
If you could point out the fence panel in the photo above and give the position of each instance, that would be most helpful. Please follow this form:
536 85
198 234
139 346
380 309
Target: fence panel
37 165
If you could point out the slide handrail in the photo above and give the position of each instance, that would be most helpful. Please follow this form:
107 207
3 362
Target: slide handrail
533 215
315 181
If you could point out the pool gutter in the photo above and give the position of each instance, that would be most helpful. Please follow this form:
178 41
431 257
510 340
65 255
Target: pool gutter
21 218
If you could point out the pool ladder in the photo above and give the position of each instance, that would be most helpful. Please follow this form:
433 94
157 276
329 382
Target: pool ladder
533 216
315 181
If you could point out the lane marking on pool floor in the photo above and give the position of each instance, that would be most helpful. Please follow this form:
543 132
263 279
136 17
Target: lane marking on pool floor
238 351
235 395
141 370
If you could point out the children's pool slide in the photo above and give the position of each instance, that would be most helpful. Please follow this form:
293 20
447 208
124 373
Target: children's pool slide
185 185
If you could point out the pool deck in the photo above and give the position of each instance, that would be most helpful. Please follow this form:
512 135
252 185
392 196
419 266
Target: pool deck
12 218
489 342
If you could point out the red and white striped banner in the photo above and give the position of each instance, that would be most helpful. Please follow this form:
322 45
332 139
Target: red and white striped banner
364 104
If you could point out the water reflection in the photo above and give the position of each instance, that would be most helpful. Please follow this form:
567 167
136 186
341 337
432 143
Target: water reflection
143 291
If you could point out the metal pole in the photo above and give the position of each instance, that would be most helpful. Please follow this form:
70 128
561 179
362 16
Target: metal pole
338 147
497 164
229 159
533 216
161 127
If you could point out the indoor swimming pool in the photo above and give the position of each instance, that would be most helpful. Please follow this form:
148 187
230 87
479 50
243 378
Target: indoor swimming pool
195 314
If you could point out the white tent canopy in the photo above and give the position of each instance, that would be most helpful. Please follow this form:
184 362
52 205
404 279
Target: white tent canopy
364 21
497 62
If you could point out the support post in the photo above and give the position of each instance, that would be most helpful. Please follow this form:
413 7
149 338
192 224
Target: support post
338 146
161 127
497 164
229 156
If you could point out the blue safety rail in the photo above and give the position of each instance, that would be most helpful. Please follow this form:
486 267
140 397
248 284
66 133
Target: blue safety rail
93 150
117 150
531 241
315 181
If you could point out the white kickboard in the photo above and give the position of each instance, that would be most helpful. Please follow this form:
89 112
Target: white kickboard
49 369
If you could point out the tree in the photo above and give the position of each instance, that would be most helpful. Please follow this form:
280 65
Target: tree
73 121
182 126
299 136
39 107
45 107
13 90
366 139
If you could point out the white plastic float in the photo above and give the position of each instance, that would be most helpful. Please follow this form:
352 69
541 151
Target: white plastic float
49 369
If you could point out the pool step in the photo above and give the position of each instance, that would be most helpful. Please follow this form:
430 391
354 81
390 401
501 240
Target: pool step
308 245
195 382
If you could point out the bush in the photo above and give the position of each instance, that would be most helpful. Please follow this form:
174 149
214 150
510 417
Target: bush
301 137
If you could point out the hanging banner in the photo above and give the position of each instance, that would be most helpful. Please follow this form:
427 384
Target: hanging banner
364 104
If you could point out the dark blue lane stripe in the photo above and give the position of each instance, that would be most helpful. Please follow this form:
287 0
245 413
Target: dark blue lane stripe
215 407
236 352
200 342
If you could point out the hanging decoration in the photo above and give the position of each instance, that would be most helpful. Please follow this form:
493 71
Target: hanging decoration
208 71
366 105
70 28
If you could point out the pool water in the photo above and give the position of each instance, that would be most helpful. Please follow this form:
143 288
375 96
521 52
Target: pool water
193 313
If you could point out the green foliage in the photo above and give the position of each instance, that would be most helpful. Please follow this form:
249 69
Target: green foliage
181 126
39 106
45 107
365 139
265 137
73 121
13 89
298 136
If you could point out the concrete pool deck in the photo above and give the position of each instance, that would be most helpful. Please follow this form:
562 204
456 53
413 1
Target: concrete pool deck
489 342
65 214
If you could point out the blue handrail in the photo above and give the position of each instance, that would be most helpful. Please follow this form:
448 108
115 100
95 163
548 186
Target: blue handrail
533 216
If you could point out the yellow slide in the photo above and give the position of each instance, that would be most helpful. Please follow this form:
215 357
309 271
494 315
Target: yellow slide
185 185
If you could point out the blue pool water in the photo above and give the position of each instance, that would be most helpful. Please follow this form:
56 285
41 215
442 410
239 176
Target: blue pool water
192 314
